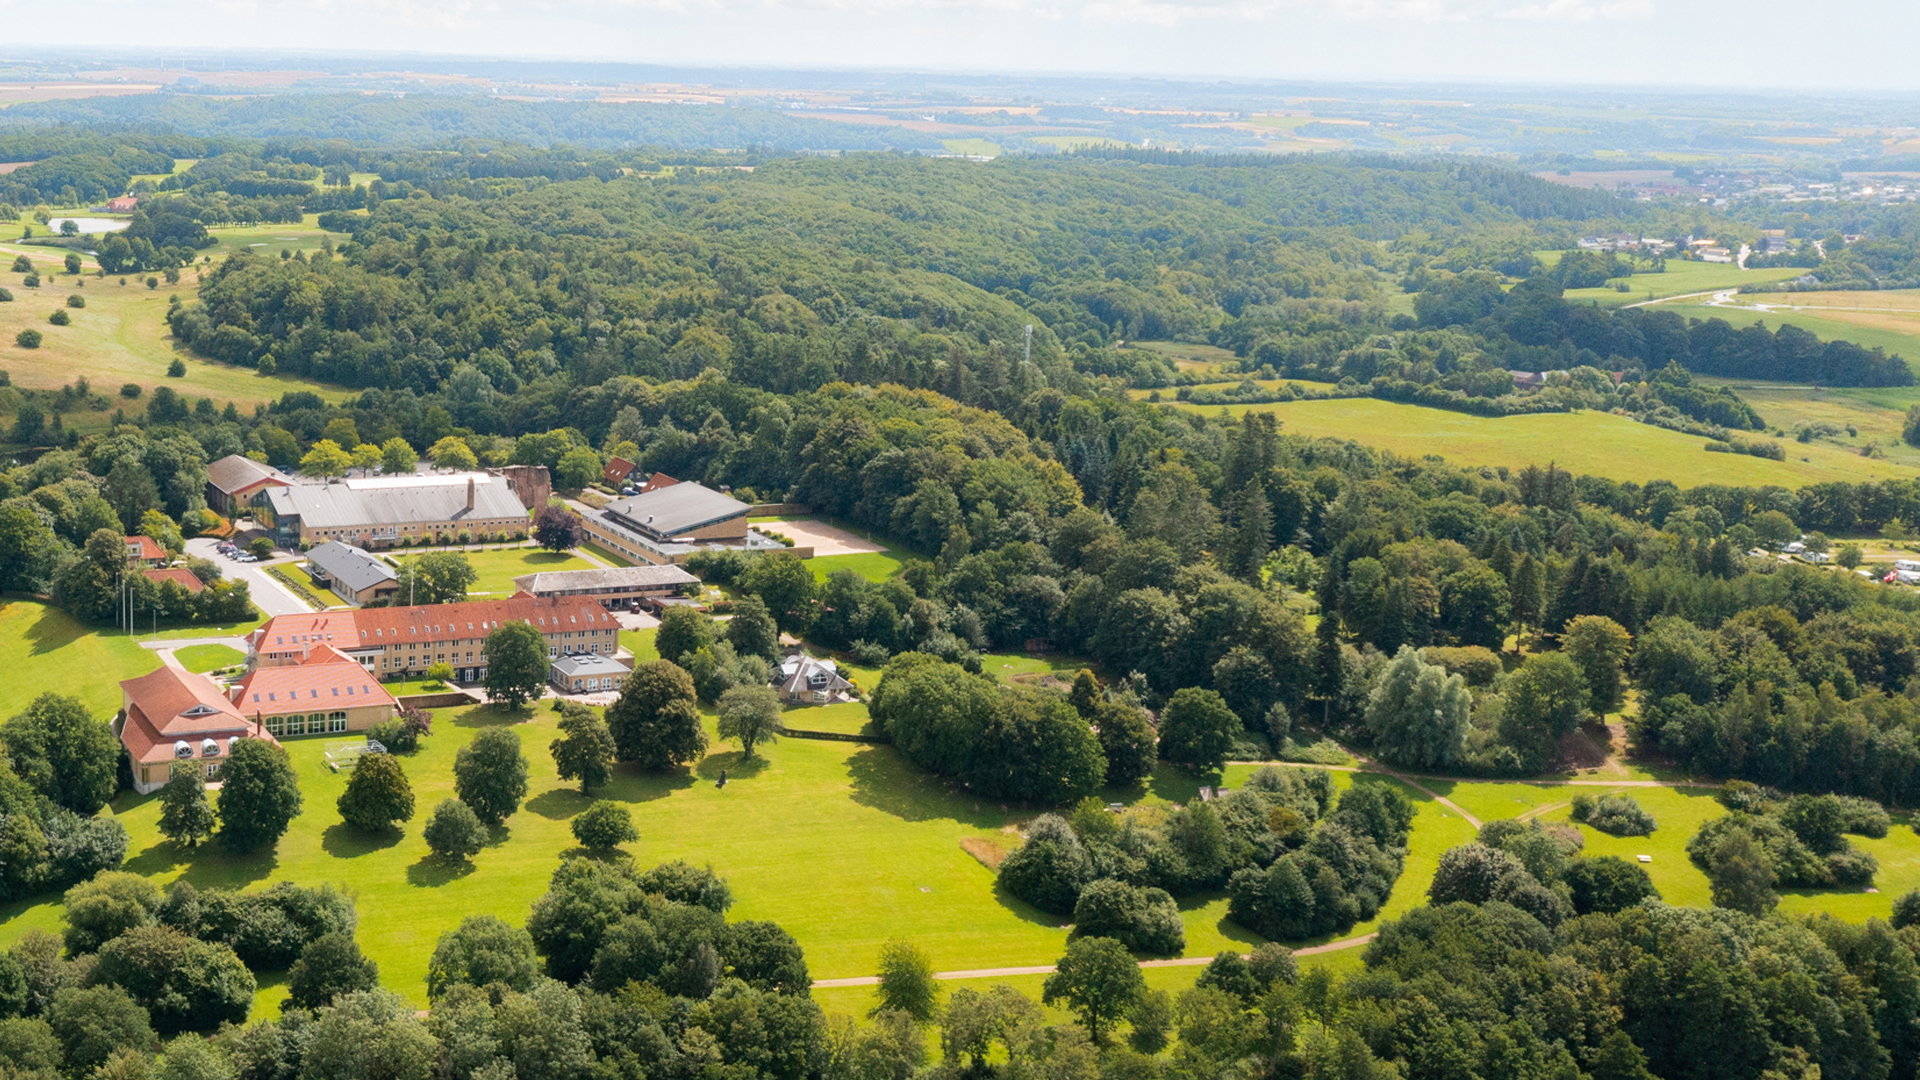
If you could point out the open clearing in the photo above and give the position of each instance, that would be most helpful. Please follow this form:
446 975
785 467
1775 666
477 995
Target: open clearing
1877 413
1682 276
1886 320
1591 443
496 569
119 337
824 539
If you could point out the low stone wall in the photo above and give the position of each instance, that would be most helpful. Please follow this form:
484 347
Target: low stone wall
777 509
446 700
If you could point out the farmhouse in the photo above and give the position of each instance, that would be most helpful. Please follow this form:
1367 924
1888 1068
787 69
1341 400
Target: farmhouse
354 575
374 512
144 551
402 642
234 481
615 588
667 523
172 719
326 693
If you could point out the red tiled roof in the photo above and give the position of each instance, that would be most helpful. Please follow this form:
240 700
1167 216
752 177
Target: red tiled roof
323 682
656 482
617 470
148 549
372 628
170 705
177 574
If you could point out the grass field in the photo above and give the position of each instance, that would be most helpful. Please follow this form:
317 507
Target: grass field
498 568
1877 413
1887 320
972 147
205 658
1188 357
119 337
1681 277
42 649
872 565
1591 443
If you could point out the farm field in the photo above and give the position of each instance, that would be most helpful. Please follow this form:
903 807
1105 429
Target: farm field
1681 277
1592 443
972 147
1877 413
1886 320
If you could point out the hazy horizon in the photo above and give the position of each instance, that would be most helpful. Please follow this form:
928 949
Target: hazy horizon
1680 44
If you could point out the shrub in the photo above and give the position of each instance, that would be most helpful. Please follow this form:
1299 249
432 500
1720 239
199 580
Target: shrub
130 391
31 281
454 833
1620 815
177 369
1470 872
1607 884
27 339
604 826
1906 910
1144 920
76 301
111 904
5 295
1050 868
1863 817
59 317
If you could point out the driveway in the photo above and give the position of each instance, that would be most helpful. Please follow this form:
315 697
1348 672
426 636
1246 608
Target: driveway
269 595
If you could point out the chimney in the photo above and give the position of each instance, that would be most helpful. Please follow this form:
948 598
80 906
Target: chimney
469 492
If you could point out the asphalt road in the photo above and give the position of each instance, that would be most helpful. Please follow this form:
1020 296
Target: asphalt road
271 597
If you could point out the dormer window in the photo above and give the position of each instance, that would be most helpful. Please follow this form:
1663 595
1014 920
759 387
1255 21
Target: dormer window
200 710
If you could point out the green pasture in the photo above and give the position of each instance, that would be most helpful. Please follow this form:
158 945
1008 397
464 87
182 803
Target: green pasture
1899 336
1681 277
1185 354
1591 443
119 337
1878 414
204 658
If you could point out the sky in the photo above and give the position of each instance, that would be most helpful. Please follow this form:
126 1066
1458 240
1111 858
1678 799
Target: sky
1842 45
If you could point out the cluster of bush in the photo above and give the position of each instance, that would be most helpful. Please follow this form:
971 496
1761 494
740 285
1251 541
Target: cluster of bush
1769 840
1615 815
1295 862
1537 869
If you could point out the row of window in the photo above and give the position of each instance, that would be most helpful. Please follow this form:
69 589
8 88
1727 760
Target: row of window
306 724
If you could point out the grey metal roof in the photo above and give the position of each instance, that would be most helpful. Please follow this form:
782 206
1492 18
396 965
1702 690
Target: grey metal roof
350 566
677 509
626 577
589 664
233 472
337 506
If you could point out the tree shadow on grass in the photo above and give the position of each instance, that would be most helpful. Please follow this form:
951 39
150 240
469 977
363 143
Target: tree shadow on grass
52 631
631 783
486 716
1177 783
736 766
213 867
1027 912
885 781
559 804
159 858
343 841
432 871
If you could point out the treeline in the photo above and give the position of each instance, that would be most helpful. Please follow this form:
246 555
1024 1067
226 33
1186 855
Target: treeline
432 119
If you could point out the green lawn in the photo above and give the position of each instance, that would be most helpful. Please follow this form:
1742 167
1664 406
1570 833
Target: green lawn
1590 443
496 569
872 565
208 657
42 649
606 556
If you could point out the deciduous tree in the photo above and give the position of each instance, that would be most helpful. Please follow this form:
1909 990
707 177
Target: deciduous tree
490 775
259 796
585 750
656 720
378 795
517 664
1098 981
454 832
185 815
750 714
